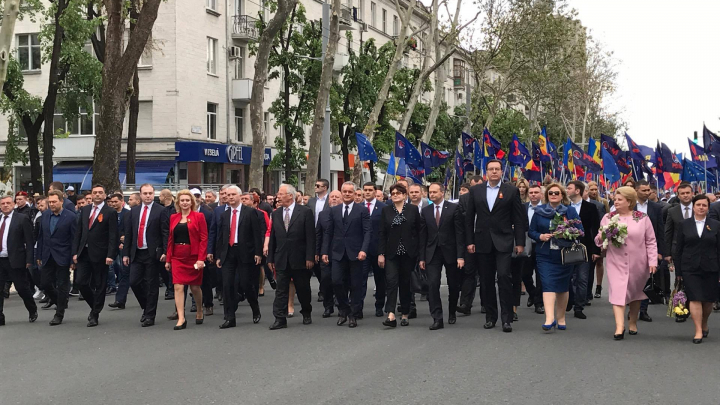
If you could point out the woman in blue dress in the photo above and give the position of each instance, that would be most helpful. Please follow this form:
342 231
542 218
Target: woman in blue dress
554 275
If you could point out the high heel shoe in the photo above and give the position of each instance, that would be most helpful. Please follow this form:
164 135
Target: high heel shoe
561 327
632 332
549 327
199 321
697 341
183 326
706 333
620 336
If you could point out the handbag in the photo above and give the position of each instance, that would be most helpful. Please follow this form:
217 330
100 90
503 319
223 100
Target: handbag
575 254
418 281
653 291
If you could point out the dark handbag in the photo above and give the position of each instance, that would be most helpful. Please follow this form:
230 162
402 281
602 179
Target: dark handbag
419 282
575 254
654 291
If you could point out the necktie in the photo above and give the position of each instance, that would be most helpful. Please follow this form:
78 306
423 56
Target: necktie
687 212
92 217
368 204
141 228
345 215
233 224
2 229
437 215
286 219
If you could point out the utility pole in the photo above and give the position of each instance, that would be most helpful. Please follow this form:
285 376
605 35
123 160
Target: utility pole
325 140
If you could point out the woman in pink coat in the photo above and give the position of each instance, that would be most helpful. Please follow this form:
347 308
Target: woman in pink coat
630 266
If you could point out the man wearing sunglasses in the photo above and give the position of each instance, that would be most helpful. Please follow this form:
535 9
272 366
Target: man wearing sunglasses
318 204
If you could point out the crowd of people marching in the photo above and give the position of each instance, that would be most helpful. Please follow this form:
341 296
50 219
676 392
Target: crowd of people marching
550 242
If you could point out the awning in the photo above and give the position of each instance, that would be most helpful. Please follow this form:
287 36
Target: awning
78 174
148 171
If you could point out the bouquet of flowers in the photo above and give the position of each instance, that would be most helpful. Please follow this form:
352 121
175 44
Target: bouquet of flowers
614 232
678 305
563 228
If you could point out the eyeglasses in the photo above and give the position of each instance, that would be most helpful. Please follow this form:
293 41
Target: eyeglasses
396 193
318 185
554 193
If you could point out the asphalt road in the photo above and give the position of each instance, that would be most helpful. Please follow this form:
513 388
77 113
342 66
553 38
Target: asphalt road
119 362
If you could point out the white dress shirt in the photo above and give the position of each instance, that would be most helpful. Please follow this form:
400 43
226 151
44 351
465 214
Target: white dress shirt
319 205
492 194
236 212
97 209
350 208
4 252
147 219
372 205
576 206
435 209
688 209
699 224
642 207
531 211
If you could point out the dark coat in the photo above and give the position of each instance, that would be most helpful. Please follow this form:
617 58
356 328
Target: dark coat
57 244
591 225
449 237
501 227
250 238
349 237
153 232
292 248
100 239
20 243
697 254
409 231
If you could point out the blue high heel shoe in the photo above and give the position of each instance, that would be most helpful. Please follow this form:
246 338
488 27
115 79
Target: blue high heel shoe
549 327
561 327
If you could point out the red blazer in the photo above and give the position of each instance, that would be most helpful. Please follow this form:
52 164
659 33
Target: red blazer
197 229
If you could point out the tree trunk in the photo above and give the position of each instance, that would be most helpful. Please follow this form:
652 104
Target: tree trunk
132 130
118 69
7 32
34 152
437 103
284 8
343 148
315 145
288 134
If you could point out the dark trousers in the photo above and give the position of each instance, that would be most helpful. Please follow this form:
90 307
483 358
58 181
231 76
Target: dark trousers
22 285
516 277
56 284
208 282
341 270
533 287
301 278
580 280
397 277
434 273
497 263
91 279
247 275
371 264
326 286
469 281
123 285
144 281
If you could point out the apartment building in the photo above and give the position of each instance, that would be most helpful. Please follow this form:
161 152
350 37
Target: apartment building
195 87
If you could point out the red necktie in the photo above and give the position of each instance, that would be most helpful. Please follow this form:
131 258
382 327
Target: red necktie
92 217
2 230
369 208
141 229
233 224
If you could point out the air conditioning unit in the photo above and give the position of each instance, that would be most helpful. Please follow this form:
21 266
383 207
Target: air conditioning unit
363 27
346 14
234 52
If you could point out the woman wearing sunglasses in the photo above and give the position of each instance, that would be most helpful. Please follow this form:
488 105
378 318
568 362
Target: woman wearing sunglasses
554 275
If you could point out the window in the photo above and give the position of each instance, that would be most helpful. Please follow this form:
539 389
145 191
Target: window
396 28
266 123
211 4
212 121
361 10
240 65
373 20
28 51
384 21
239 122
212 56
85 124
146 57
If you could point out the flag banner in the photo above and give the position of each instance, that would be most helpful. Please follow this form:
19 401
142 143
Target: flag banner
467 145
432 158
711 142
415 173
365 148
634 149
478 155
552 149
518 153
697 154
610 169
459 168
405 150
593 149
543 146
493 149
668 161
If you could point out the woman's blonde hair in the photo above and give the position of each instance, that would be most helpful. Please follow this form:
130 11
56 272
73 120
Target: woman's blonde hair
527 188
565 199
629 194
193 206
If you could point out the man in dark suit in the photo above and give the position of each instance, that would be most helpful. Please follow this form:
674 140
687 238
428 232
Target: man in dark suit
469 276
442 243
67 204
144 253
349 228
588 214
54 253
374 207
94 248
495 220
238 253
16 255
122 271
326 286
318 204
675 215
212 237
210 269
291 254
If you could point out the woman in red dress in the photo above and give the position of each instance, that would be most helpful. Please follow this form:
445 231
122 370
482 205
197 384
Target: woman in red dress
186 252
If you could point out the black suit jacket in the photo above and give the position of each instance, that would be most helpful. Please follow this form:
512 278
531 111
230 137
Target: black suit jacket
449 237
714 211
672 227
165 225
697 254
57 244
153 232
506 224
313 200
409 231
375 218
655 212
101 238
591 224
322 223
250 238
20 243
350 237
292 248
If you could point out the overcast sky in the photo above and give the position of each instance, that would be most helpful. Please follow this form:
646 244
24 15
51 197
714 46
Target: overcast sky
669 64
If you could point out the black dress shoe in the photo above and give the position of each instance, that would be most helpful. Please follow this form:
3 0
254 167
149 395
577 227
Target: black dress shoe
148 322
278 324
307 320
257 317
328 313
321 297
352 323
540 310
437 324
341 320
515 317
57 320
588 304
379 313
273 284
404 322
173 316
489 325
228 324
92 322
388 322
47 305
118 305
45 299
142 319
360 316
452 319
530 301
180 327
463 310
413 314
34 316
644 316
580 315
507 328
483 310
193 308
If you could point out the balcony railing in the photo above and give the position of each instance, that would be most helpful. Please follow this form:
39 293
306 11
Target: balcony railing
245 27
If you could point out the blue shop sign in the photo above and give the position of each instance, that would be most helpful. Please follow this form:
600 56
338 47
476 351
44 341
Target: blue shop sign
218 153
